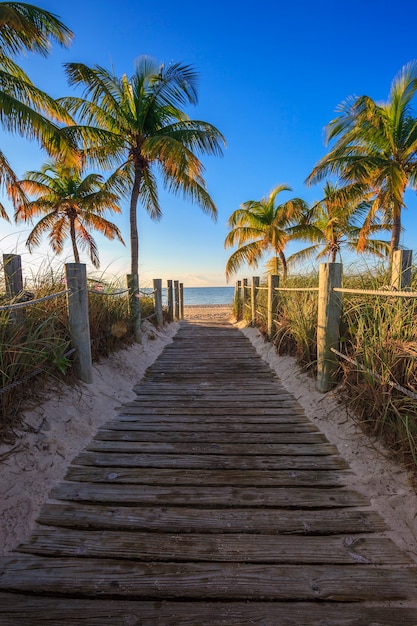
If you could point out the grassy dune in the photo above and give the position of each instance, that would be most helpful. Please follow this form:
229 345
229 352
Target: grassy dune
35 343
380 333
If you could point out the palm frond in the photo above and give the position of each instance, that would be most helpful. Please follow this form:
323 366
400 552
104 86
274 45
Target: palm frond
9 182
24 27
149 195
249 254
303 255
192 188
86 242
44 225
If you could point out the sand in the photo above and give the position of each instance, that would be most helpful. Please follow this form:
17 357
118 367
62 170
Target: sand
56 431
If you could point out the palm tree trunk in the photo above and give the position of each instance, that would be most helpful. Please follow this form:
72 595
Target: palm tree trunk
133 278
134 236
74 241
396 230
395 236
283 263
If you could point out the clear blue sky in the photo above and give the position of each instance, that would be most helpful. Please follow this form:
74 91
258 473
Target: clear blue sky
271 75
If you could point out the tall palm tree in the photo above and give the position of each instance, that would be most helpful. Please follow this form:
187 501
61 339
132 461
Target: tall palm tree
136 122
69 206
334 224
261 226
24 109
376 148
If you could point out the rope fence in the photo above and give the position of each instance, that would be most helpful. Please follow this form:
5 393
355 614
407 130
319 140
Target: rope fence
78 310
97 292
374 375
31 374
23 305
329 309
384 293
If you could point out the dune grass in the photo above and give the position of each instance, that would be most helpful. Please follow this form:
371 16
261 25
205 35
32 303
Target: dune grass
35 342
380 333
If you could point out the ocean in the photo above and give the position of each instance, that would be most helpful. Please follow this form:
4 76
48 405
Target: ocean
208 295
204 295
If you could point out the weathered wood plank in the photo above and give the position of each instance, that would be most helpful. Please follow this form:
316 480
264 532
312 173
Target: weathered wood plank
215 547
312 497
117 578
258 387
227 414
200 400
288 478
32 611
199 520
140 424
238 449
209 461
225 398
207 437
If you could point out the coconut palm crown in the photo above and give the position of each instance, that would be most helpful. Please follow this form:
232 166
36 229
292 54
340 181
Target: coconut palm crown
376 148
262 226
69 206
335 223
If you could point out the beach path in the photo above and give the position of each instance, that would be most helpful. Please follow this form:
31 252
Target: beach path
210 499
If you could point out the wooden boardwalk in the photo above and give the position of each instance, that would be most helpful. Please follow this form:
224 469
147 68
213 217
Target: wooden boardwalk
210 500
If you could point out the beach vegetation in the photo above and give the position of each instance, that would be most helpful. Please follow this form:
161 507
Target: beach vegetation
70 205
336 223
378 334
375 150
261 227
36 345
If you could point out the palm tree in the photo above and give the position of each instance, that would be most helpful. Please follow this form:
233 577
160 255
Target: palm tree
333 225
260 226
24 109
69 206
137 124
376 149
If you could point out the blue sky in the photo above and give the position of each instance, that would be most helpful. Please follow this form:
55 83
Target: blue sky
271 76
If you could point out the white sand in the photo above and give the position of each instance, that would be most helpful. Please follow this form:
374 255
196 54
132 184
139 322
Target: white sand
60 428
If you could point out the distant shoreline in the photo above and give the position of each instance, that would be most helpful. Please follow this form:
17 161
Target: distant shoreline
207 306
208 311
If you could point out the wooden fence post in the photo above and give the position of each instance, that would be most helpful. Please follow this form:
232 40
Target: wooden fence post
170 301
77 301
12 265
401 269
182 301
329 313
244 296
177 299
134 304
157 287
253 298
272 303
237 300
